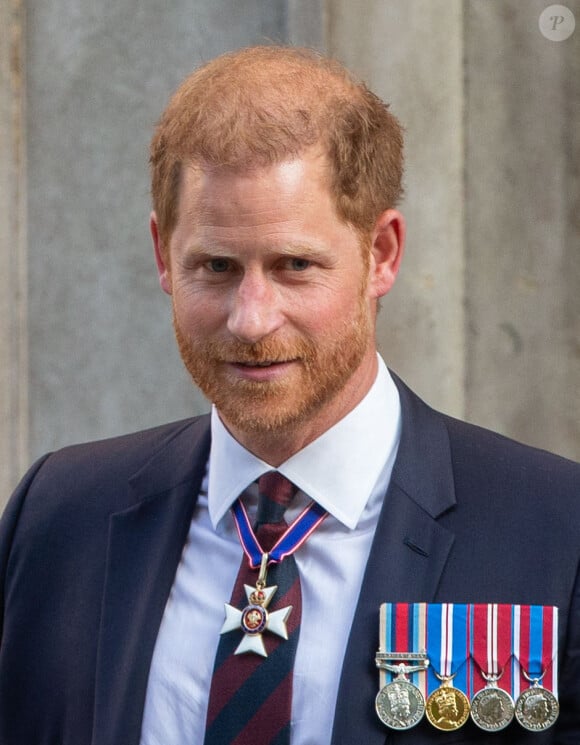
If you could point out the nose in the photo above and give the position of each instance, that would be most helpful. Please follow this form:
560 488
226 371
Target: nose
255 311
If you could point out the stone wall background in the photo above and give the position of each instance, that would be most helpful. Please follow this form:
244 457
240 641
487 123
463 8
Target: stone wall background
485 320
14 450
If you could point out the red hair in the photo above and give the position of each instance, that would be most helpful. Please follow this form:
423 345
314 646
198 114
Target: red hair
261 105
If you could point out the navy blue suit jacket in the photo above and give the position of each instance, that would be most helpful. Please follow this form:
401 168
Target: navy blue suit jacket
91 540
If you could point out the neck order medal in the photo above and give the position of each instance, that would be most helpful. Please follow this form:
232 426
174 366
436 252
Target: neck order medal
254 619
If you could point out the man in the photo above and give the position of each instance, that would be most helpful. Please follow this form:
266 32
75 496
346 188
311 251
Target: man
275 181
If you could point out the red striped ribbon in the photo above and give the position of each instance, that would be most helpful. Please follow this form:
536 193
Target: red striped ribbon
492 644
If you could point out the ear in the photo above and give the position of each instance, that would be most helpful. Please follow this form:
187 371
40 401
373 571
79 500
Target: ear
161 256
387 246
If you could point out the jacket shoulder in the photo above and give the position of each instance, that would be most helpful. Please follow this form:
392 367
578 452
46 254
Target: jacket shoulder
497 457
97 474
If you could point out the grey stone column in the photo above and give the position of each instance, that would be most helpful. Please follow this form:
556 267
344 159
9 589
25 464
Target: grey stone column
411 53
522 224
485 319
102 355
13 296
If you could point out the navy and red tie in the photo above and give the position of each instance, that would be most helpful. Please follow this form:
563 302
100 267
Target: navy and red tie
251 696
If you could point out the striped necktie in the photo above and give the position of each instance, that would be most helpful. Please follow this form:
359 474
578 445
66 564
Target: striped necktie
251 695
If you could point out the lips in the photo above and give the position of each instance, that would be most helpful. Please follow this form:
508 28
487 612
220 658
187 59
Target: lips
262 371
261 364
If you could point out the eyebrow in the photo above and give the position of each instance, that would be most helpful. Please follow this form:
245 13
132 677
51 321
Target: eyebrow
291 249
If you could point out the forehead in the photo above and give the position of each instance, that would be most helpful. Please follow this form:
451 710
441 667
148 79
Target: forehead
231 195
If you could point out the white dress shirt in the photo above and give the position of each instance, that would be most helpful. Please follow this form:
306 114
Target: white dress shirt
347 471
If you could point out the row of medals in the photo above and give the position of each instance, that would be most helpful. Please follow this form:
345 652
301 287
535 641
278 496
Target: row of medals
400 704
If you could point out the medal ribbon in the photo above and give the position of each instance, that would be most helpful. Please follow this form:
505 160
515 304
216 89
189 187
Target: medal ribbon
298 532
535 644
403 629
448 637
491 643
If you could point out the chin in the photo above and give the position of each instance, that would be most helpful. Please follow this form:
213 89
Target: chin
262 417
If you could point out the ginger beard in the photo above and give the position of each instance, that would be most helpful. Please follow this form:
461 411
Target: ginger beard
325 365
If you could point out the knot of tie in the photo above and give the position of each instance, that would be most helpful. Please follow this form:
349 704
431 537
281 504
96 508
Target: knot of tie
276 495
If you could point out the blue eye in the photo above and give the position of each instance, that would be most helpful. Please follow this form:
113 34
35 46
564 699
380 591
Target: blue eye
299 265
219 265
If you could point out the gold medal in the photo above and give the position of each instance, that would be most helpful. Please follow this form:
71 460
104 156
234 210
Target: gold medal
447 707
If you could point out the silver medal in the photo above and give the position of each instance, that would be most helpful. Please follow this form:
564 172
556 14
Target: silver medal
400 704
537 708
492 709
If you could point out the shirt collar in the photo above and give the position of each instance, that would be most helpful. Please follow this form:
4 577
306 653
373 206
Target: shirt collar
338 469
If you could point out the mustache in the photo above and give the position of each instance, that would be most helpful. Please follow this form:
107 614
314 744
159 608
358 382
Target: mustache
265 350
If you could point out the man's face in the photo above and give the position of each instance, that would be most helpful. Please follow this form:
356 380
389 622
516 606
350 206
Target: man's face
273 308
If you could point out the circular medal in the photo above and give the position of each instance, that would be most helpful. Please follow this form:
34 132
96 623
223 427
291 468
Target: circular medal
492 709
537 708
254 619
447 708
400 705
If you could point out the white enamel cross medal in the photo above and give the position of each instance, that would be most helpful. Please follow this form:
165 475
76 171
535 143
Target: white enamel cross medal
255 618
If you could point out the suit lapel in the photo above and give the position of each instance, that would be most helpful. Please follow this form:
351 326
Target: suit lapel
145 545
406 561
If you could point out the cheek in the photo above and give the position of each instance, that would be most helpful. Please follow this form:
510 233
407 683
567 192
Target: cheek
198 314
320 313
